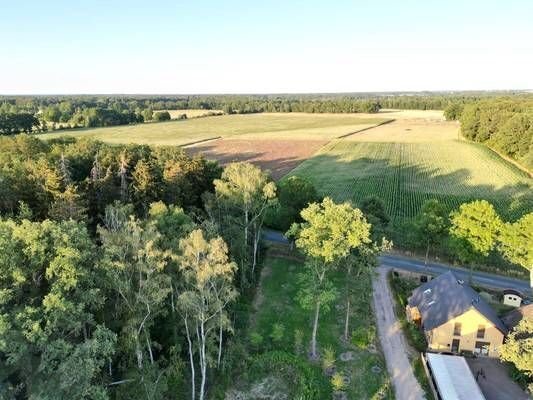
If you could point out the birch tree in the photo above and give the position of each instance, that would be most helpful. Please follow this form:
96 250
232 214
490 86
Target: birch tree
245 192
327 235
208 289
135 268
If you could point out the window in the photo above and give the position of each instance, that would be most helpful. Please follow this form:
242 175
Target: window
457 329
481 331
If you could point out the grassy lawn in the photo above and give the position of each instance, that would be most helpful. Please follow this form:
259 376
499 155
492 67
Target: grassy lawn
280 324
407 162
264 126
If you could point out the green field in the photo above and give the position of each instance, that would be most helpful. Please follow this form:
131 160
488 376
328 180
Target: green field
423 162
276 304
249 126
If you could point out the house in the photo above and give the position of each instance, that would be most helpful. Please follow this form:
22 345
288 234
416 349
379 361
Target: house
455 318
513 318
512 297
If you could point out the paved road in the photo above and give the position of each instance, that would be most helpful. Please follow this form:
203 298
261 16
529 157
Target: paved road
479 278
406 387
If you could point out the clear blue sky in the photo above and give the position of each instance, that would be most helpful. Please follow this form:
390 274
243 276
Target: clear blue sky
97 46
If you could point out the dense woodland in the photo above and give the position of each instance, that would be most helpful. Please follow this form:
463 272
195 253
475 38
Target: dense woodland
504 124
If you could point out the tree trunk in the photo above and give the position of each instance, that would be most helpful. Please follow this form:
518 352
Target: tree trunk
427 254
149 347
219 341
315 329
204 361
256 246
347 321
191 359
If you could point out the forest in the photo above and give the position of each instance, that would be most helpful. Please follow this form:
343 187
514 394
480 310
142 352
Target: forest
504 124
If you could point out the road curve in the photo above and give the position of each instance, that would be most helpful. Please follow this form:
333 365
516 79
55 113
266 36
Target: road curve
393 343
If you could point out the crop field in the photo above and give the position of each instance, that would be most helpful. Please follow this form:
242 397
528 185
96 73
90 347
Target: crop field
407 162
264 126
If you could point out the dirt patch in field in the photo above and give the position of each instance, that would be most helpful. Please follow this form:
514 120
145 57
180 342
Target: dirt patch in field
277 156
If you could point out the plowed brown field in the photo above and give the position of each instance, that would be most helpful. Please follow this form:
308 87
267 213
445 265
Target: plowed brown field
277 156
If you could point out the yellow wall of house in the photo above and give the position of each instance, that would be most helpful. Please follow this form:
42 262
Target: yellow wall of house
440 338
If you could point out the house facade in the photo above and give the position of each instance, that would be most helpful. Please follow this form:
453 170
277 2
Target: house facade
455 318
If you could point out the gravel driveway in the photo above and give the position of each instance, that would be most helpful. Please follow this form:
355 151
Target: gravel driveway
406 387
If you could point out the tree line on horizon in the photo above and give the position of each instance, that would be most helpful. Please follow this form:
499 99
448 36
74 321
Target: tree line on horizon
40 113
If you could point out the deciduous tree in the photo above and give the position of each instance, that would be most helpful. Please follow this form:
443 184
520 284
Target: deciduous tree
328 234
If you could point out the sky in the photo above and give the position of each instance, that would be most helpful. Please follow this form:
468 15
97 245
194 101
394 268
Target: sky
237 46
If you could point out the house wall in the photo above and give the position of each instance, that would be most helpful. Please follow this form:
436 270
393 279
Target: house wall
512 300
440 338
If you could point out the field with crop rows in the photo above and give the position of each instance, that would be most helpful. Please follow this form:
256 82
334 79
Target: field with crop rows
421 166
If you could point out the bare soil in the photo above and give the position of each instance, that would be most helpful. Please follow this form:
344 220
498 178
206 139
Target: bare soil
277 156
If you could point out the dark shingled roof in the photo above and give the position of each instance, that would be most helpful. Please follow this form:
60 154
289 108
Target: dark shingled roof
513 318
446 297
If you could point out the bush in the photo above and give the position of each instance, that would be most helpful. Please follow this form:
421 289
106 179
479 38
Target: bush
256 340
307 383
328 358
337 382
362 337
161 116
298 341
278 332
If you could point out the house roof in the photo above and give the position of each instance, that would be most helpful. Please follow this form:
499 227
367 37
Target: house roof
513 318
447 297
453 377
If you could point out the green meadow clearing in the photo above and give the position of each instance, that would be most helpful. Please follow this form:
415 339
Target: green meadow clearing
264 126
278 323
409 161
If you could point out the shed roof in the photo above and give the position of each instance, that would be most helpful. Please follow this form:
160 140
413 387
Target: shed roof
447 297
453 377
513 318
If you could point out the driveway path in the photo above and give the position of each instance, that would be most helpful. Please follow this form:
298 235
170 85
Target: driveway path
406 387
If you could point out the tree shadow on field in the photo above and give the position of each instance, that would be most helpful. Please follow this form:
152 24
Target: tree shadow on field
404 188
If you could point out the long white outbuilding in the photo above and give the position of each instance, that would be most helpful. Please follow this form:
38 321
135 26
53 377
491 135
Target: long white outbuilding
453 378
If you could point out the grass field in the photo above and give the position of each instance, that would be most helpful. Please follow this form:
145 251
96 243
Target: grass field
409 161
276 304
190 113
265 126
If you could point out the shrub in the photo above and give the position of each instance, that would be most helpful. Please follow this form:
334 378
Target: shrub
278 332
161 116
256 340
298 340
328 358
363 336
337 382
306 382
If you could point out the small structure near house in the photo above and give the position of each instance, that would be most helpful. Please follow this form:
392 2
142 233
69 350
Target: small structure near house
455 318
452 378
512 298
513 318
